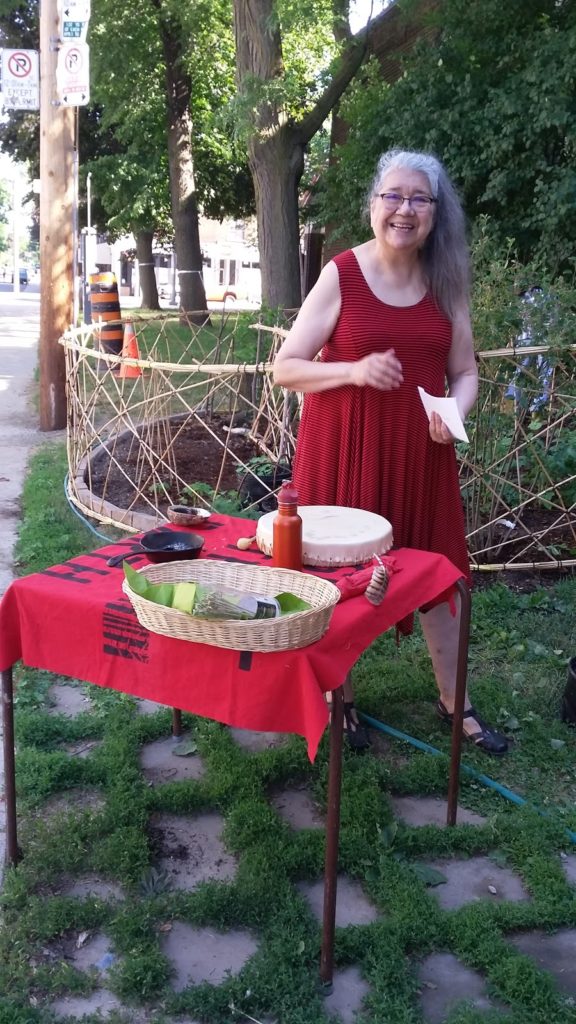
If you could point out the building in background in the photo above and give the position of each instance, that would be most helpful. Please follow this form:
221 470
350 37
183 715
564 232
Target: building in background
231 263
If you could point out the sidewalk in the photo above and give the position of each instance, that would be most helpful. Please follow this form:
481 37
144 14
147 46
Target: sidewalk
19 434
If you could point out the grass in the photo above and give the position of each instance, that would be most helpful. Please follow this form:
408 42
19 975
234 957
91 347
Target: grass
519 651
224 338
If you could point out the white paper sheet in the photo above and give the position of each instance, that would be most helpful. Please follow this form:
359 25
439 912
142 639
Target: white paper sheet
447 409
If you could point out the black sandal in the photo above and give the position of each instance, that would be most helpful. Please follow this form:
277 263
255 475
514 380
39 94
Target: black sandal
486 739
356 734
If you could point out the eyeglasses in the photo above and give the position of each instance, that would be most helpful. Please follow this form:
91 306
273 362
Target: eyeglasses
393 201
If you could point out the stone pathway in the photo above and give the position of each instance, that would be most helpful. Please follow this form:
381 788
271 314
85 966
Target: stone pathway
190 850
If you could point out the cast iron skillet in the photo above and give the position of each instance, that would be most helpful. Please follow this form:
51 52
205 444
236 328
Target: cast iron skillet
163 546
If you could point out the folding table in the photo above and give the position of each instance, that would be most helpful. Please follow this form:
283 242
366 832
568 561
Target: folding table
74 620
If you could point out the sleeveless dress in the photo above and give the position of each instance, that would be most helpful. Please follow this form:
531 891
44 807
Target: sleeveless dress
370 449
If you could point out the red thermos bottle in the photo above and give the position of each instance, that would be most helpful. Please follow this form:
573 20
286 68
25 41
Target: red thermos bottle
287 530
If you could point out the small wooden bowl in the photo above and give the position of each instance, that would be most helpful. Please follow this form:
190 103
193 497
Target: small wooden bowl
181 515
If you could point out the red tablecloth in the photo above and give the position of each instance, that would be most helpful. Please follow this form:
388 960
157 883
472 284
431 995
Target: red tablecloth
74 620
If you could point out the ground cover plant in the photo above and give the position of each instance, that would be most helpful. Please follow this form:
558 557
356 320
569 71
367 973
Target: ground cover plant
521 641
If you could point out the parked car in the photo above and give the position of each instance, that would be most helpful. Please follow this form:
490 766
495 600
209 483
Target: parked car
22 276
221 294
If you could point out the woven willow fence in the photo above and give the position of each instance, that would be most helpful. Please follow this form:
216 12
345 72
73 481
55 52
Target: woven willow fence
142 439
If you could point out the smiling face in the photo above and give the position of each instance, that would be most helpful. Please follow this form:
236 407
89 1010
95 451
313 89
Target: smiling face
407 227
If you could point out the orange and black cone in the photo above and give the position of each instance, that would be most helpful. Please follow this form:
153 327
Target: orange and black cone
129 351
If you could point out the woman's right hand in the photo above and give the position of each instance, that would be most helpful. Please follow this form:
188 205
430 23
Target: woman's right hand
379 370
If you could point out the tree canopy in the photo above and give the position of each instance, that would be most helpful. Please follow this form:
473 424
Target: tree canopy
293 62
128 83
495 99
5 205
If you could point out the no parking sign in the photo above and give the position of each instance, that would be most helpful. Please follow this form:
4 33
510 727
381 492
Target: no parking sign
20 79
73 74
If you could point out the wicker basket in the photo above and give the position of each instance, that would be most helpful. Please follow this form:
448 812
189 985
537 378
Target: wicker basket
283 633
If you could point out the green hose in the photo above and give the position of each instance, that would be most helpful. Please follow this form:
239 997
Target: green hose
484 779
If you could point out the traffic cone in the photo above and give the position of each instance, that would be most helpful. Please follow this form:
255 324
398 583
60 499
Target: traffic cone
129 351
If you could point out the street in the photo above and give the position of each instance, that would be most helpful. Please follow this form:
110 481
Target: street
31 289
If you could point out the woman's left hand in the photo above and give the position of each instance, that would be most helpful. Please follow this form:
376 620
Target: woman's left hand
439 431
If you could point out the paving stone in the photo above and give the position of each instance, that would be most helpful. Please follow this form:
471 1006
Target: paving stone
445 981
67 700
161 764
553 953
204 954
348 993
95 952
249 739
91 885
298 808
468 881
569 866
352 905
191 849
429 810
101 1001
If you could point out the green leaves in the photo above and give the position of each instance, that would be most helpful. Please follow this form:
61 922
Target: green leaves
289 604
159 593
186 748
494 98
428 875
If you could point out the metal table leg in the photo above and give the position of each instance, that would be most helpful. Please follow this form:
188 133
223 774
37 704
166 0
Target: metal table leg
12 851
458 721
332 838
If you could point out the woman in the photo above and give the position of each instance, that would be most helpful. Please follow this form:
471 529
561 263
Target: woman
387 316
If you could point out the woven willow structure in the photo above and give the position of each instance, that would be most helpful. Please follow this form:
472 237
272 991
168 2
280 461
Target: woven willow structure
518 474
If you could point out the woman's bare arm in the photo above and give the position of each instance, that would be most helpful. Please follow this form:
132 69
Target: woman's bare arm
294 366
462 375
462 372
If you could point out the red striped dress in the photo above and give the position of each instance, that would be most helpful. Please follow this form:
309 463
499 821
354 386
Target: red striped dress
366 448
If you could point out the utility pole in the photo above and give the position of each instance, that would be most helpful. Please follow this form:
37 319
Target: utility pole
56 225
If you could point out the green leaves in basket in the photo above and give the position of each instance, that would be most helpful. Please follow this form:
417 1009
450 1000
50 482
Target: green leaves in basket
289 604
184 596
208 602
160 593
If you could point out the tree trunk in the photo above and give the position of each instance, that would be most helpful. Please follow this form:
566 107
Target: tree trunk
148 287
277 165
277 142
181 163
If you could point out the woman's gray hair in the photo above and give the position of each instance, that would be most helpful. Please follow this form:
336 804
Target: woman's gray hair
445 254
